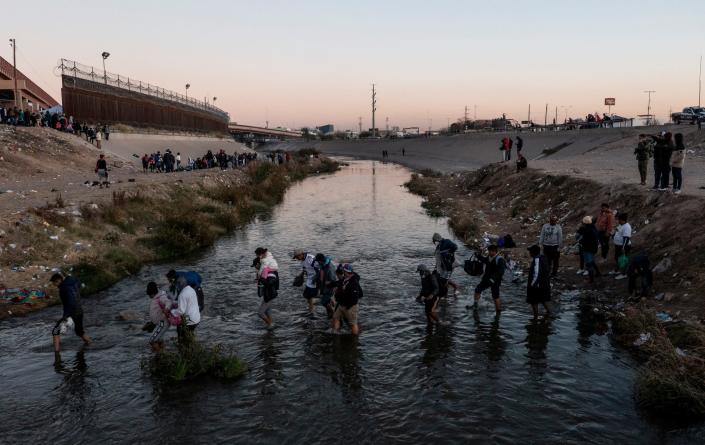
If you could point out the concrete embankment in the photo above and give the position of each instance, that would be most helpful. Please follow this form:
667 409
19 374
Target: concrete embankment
603 155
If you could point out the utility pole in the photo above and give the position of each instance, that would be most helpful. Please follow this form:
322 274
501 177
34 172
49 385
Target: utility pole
529 118
374 108
648 107
700 80
13 43
359 123
555 119
387 124
465 122
545 117
475 115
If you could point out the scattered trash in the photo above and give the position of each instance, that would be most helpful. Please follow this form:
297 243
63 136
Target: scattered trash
663 317
12 246
680 352
659 297
54 237
643 338
663 266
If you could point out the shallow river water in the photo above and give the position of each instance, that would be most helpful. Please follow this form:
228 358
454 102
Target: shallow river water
478 380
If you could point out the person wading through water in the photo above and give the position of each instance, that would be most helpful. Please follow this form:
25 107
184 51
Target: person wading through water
429 292
538 287
492 278
267 278
309 272
70 295
445 262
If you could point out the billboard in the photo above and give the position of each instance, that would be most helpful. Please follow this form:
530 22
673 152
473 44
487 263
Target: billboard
609 101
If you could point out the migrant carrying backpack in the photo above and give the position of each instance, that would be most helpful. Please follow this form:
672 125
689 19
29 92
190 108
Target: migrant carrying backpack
474 267
194 280
448 248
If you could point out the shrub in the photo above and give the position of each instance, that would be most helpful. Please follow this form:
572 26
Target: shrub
193 360
94 278
123 259
175 236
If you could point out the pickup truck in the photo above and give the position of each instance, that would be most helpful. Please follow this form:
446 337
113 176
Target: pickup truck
689 114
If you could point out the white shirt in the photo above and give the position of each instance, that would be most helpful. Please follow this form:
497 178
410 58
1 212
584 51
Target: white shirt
188 305
536 263
623 231
267 262
308 265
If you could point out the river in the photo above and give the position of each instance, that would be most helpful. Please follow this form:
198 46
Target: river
478 380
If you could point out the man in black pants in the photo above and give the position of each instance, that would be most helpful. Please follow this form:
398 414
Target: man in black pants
492 278
429 292
73 313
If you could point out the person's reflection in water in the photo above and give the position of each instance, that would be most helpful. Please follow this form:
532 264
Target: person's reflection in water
346 353
74 389
272 374
536 343
492 337
589 322
437 344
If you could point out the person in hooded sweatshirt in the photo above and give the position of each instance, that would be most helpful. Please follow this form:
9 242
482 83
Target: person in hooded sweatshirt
69 293
187 307
538 287
677 161
327 282
347 299
429 292
589 241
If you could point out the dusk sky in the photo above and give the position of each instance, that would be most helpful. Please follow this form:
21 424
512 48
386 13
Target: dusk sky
312 62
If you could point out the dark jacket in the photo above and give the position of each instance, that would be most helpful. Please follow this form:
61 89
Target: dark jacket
662 151
544 281
429 285
69 292
494 269
588 238
350 292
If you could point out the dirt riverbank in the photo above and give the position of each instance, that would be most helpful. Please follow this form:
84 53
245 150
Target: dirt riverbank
496 200
103 235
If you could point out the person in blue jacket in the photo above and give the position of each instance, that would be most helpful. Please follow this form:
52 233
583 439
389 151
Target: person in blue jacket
69 293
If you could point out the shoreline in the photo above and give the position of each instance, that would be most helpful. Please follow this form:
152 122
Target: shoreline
114 235
498 201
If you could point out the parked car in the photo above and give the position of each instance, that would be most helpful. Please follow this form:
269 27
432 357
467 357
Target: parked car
689 114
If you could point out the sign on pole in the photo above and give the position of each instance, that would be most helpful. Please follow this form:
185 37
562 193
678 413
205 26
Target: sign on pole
609 101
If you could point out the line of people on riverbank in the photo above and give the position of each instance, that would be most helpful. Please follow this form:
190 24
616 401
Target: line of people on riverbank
167 162
668 152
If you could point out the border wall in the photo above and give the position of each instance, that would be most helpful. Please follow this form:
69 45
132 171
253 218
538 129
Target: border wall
109 99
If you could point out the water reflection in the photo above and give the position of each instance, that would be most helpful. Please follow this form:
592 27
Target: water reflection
494 345
536 342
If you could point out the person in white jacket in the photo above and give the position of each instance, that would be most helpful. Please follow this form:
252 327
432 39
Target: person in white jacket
187 305
267 283
159 307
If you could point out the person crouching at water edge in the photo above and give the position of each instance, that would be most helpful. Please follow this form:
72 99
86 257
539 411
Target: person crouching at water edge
429 292
159 308
309 271
187 309
492 278
267 278
347 297
538 288
69 293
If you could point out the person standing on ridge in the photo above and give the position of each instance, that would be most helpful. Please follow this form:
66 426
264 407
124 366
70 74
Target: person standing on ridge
551 240
101 168
520 145
643 152
677 162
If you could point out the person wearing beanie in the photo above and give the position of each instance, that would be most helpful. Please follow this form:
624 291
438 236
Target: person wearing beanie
589 241
429 292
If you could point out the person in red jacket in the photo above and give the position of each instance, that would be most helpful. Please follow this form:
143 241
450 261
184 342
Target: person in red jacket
605 228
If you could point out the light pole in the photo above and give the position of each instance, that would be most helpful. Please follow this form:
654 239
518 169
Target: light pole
648 107
188 85
214 99
105 55
13 44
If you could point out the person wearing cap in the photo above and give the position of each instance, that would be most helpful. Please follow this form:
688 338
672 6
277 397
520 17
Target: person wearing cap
445 261
347 300
588 239
267 277
193 279
495 266
310 270
327 281
538 288
429 292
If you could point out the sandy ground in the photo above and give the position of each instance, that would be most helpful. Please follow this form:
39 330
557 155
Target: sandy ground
37 165
604 155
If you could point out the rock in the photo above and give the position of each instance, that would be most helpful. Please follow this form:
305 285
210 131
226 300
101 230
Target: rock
668 296
664 265
643 338
129 315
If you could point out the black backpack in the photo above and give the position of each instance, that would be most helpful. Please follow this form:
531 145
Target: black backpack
474 267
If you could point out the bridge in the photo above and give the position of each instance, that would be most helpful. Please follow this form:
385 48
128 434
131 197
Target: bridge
250 132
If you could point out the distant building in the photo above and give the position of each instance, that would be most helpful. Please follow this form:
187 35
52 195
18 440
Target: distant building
326 130
30 95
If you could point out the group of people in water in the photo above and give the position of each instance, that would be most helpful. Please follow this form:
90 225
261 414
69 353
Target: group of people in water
336 287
